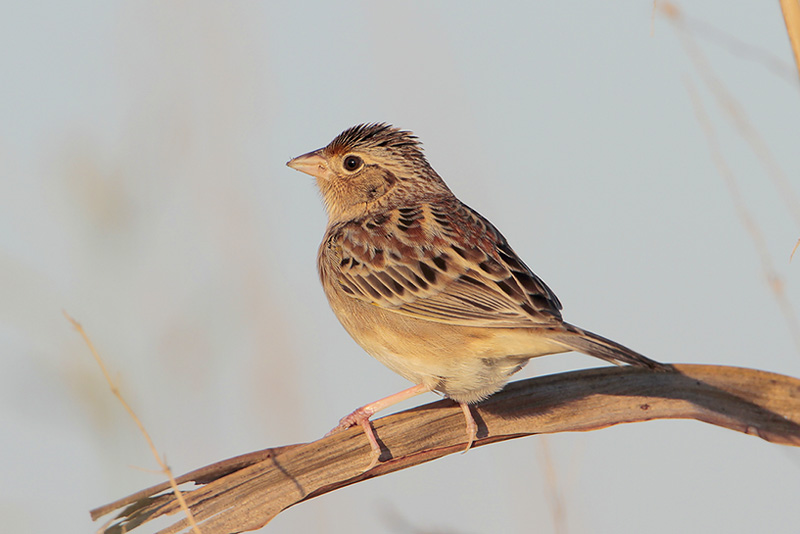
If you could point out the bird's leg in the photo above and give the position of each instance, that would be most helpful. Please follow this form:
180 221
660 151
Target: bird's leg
472 427
361 417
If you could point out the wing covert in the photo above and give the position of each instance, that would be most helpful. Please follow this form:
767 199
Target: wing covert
441 262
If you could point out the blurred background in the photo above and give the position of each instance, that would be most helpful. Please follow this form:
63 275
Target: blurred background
143 190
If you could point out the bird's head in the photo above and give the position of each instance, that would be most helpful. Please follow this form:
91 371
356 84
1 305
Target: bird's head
371 167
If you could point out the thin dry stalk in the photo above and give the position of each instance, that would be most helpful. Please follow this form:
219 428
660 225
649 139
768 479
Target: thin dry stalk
737 115
739 118
557 507
116 392
774 279
733 44
791 16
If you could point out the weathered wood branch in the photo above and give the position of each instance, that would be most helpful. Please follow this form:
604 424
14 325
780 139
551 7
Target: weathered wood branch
246 492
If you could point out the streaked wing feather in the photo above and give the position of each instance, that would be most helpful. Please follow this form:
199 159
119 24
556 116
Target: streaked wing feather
441 263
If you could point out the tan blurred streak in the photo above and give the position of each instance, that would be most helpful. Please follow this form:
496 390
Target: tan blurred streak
162 463
739 118
734 111
774 280
197 105
554 494
791 16
732 44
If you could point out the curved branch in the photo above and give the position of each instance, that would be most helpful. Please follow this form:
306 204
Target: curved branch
246 492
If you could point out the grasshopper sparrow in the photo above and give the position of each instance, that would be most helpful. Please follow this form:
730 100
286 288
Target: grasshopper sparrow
424 283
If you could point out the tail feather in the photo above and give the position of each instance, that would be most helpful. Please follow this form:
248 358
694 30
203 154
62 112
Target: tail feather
589 343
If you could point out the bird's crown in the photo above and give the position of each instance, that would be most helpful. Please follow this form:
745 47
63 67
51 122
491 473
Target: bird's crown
376 135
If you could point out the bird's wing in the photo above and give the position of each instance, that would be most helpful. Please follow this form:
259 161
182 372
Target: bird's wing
439 262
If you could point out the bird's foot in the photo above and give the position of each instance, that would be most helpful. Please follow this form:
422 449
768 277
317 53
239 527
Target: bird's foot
361 417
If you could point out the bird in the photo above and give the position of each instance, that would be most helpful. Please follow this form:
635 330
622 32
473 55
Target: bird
425 284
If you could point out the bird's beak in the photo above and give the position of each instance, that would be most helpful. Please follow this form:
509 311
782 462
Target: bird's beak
313 163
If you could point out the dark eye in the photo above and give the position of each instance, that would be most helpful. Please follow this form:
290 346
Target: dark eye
352 163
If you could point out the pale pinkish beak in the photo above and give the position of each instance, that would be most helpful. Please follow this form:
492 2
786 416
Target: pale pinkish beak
313 163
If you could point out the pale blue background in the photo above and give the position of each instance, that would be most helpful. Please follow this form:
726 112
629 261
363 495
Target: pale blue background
143 190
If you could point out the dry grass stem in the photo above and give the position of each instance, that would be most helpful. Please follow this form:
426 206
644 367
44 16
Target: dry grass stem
115 390
739 118
737 114
732 44
774 280
554 495
791 16
246 492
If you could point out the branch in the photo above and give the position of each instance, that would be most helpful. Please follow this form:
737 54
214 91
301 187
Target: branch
246 492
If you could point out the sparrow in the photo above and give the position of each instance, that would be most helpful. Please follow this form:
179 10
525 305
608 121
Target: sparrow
424 283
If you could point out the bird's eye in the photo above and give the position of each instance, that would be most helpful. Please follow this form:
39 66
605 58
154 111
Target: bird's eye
352 163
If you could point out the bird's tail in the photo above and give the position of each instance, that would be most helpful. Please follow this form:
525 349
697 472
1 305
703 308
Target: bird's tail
581 340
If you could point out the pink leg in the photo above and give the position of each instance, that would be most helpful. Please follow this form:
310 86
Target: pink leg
472 427
361 417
